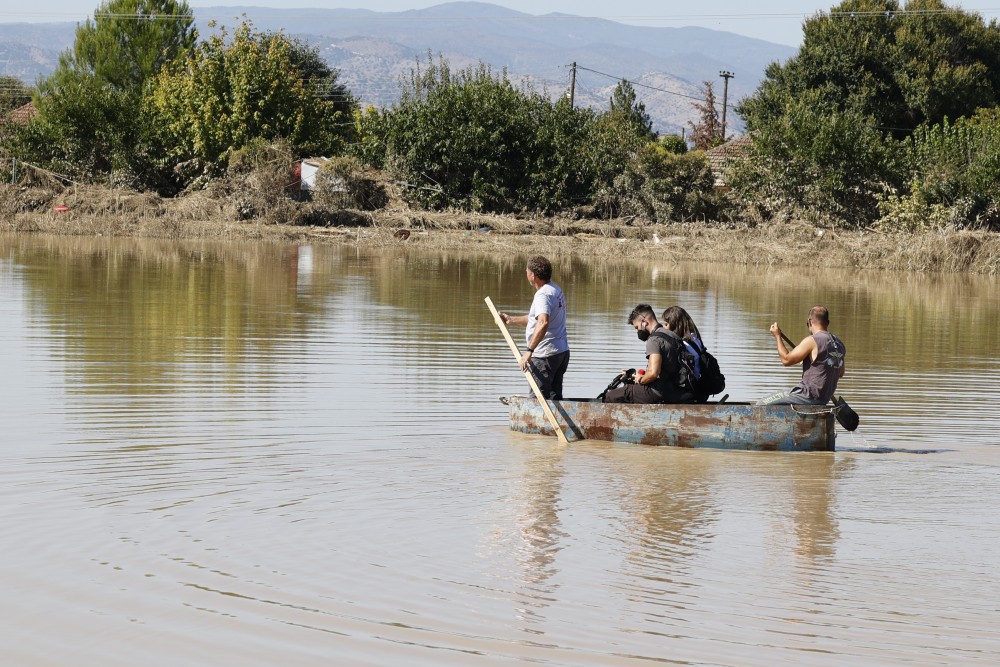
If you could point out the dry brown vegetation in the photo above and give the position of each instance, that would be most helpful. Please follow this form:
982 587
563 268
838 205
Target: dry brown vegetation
254 203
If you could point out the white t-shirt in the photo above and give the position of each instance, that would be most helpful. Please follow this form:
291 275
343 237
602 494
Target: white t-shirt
548 300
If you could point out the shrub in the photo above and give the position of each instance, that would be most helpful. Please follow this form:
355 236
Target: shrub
665 187
955 168
673 143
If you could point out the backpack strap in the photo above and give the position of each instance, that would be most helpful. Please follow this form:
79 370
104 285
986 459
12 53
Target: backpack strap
686 364
667 334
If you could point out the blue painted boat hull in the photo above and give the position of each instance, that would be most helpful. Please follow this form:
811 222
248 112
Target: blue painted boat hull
742 426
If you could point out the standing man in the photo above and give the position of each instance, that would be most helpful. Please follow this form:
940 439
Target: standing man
822 357
547 355
665 379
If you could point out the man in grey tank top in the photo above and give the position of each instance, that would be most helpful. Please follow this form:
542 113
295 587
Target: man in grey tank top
822 356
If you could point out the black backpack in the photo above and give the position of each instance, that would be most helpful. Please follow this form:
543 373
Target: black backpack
712 381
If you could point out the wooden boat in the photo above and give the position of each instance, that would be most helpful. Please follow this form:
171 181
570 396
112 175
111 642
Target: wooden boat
743 426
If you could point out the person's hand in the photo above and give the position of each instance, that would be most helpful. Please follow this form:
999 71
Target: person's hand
525 356
775 331
505 318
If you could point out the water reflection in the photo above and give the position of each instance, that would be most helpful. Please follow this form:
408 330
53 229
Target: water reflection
142 318
671 511
537 504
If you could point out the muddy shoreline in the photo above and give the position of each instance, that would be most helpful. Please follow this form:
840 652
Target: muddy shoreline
793 243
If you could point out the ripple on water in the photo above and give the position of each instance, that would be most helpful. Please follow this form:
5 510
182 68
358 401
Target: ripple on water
294 471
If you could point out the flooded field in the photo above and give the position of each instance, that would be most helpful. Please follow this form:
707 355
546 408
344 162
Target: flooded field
293 455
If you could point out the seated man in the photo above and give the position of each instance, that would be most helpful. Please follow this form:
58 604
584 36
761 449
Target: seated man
822 357
665 379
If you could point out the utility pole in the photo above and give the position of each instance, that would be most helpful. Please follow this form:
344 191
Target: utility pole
725 98
572 84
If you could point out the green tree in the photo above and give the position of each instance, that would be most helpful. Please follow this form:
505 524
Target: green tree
867 73
947 62
318 75
667 187
673 143
84 128
815 157
625 103
473 140
129 41
232 90
900 69
90 109
615 139
955 176
565 166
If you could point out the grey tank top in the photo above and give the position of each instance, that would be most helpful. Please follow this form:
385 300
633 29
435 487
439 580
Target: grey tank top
819 376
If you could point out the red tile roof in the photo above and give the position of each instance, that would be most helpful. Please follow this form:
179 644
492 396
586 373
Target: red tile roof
725 156
22 114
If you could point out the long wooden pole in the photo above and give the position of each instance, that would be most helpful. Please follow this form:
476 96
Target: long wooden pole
527 374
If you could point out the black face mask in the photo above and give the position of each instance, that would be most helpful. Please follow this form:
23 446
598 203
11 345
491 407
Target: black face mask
642 335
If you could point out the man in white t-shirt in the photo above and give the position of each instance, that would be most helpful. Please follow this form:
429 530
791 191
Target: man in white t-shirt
547 355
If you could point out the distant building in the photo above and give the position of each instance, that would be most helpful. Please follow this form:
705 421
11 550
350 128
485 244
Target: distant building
726 156
21 115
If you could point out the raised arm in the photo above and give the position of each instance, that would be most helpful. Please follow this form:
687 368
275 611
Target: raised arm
799 353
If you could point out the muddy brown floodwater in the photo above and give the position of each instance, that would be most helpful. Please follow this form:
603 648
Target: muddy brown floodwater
266 454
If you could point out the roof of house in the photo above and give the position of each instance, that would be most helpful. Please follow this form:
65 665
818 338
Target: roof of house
736 149
22 114
723 157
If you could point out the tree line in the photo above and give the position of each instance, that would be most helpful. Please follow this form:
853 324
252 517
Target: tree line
886 117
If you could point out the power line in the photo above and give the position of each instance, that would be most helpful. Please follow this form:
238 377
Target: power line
642 85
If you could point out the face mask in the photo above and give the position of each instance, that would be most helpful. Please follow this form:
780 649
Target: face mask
642 335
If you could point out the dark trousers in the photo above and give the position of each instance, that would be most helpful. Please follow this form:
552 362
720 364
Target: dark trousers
632 393
548 373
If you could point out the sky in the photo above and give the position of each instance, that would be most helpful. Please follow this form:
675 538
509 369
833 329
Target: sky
777 21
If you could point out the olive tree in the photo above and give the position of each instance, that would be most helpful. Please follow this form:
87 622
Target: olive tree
235 89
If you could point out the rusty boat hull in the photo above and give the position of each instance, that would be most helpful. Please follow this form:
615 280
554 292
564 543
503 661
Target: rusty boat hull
742 426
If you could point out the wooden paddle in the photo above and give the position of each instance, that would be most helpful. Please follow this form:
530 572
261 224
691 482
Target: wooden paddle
788 341
845 414
527 374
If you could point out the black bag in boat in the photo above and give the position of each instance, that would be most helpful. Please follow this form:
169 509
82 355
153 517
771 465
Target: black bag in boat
628 377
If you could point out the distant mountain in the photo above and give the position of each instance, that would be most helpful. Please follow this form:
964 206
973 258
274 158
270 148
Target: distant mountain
30 50
373 50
